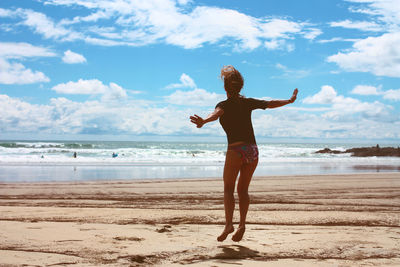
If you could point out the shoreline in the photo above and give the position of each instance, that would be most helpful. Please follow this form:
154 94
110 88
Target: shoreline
194 179
305 220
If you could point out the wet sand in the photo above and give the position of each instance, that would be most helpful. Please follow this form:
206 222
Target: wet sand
327 220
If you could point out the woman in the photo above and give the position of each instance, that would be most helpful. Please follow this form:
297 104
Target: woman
234 114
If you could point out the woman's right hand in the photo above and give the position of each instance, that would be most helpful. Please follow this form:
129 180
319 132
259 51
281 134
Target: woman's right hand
197 120
294 96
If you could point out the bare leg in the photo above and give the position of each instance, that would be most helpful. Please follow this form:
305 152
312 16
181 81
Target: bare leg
233 163
246 173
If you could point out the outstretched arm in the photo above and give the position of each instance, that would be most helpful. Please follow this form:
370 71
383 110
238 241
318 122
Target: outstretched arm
199 121
280 103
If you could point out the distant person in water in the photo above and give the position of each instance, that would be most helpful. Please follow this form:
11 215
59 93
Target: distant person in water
234 114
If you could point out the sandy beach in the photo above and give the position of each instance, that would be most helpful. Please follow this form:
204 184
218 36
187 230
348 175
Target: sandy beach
327 220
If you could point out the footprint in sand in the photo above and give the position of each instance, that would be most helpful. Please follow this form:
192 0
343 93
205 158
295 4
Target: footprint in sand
165 228
126 238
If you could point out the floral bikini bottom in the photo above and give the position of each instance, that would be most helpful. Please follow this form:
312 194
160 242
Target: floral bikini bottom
248 152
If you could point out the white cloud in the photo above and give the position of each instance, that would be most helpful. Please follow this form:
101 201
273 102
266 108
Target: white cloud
345 108
294 123
185 81
84 87
63 116
336 39
208 25
47 27
366 90
20 50
326 95
114 92
184 2
20 116
104 42
92 87
280 66
94 17
378 55
6 12
177 23
296 73
387 11
72 57
273 44
279 28
392 94
278 45
196 97
16 73
311 33
358 25
12 72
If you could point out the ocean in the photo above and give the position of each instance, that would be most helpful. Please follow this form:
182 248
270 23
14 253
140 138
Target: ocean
30 161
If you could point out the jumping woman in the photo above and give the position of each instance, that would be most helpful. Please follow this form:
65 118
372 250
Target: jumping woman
234 114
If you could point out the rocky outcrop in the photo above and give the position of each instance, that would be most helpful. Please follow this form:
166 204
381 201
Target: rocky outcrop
329 151
375 151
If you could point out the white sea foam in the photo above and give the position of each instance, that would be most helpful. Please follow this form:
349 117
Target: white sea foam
167 153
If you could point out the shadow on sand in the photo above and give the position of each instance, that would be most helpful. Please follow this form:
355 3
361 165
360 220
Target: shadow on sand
232 252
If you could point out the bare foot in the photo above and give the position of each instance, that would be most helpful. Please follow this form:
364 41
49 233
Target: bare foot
225 233
239 234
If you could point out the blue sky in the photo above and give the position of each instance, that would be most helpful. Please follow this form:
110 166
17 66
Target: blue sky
121 69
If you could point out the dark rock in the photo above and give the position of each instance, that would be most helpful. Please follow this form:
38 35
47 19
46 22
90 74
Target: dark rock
375 151
328 151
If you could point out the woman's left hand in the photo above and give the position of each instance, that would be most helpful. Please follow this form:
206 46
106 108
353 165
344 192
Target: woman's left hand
197 120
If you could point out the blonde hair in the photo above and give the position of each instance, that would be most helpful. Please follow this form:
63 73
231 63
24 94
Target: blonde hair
233 80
